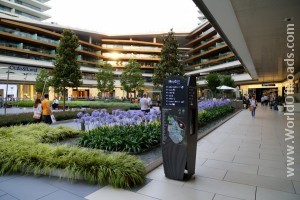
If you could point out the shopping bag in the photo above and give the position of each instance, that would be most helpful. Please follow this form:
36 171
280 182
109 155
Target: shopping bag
53 119
37 116
251 108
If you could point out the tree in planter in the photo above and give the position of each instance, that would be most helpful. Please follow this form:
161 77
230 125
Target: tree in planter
105 79
227 80
213 81
169 64
66 72
42 82
131 78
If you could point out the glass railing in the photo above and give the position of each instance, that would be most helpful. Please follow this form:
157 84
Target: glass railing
89 76
26 47
87 49
28 5
124 63
47 40
27 15
4 8
25 56
131 55
8 44
27 35
84 64
31 48
89 59
131 47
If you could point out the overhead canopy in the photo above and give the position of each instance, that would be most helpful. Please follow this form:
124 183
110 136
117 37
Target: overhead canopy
260 32
224 87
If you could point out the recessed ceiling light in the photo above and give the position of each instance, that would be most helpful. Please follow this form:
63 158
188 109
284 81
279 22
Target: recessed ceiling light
288 19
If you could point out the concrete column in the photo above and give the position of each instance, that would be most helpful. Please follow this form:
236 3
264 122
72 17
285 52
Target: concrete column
31 91
21 92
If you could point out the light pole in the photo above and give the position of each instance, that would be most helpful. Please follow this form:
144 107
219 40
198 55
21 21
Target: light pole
5 104
44 87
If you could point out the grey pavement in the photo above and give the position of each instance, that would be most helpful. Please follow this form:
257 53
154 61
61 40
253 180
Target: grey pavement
18 110
245 158
15 110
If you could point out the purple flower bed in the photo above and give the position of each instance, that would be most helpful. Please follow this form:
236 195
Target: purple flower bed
100 118
209 104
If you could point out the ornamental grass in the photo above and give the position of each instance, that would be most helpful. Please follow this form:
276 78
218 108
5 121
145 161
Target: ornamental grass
30 149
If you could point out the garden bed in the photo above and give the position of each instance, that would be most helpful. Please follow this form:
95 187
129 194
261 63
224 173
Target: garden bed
29 149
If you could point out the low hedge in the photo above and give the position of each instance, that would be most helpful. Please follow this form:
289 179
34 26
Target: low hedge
206 116
26 149
26 118
134 138
80 104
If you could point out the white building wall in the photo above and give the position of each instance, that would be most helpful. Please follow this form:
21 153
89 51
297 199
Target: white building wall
11 92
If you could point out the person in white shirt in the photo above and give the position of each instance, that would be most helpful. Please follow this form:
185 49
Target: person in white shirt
149 101
253 103
144 103
262 100
55 103
37 110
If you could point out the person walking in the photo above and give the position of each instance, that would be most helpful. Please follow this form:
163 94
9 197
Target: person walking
144 103
1 101
253 105
55 103
46 109
37 110
149 102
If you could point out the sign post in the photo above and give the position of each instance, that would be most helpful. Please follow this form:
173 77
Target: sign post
179 127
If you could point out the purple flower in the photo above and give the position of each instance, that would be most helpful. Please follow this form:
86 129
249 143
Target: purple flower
208 104
95 113
80 114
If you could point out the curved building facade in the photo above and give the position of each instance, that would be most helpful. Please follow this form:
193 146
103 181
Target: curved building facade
27 46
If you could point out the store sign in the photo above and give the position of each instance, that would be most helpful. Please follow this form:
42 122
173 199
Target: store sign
268 84
23 69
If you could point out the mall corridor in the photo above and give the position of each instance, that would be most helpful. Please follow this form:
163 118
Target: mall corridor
245 158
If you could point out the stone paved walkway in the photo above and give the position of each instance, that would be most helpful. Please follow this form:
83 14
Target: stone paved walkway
244 158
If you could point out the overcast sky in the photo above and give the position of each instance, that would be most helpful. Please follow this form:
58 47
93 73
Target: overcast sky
125 16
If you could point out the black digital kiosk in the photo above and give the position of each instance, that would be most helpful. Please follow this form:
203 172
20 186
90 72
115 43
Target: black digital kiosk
179 127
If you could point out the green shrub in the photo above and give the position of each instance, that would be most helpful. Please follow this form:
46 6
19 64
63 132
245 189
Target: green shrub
206 116
134 138
26 149
83 103
28 103
26 118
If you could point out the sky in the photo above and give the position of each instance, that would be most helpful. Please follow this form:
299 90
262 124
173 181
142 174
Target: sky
125 16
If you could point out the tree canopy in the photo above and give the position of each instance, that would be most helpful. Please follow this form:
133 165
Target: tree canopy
105 78
131 78
66 72
42 82
227 80
169 64
213 81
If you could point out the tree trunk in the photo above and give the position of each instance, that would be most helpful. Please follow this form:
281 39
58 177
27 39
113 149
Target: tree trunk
64 93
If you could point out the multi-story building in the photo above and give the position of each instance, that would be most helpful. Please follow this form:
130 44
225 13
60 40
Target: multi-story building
209 53
28 9
26 46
